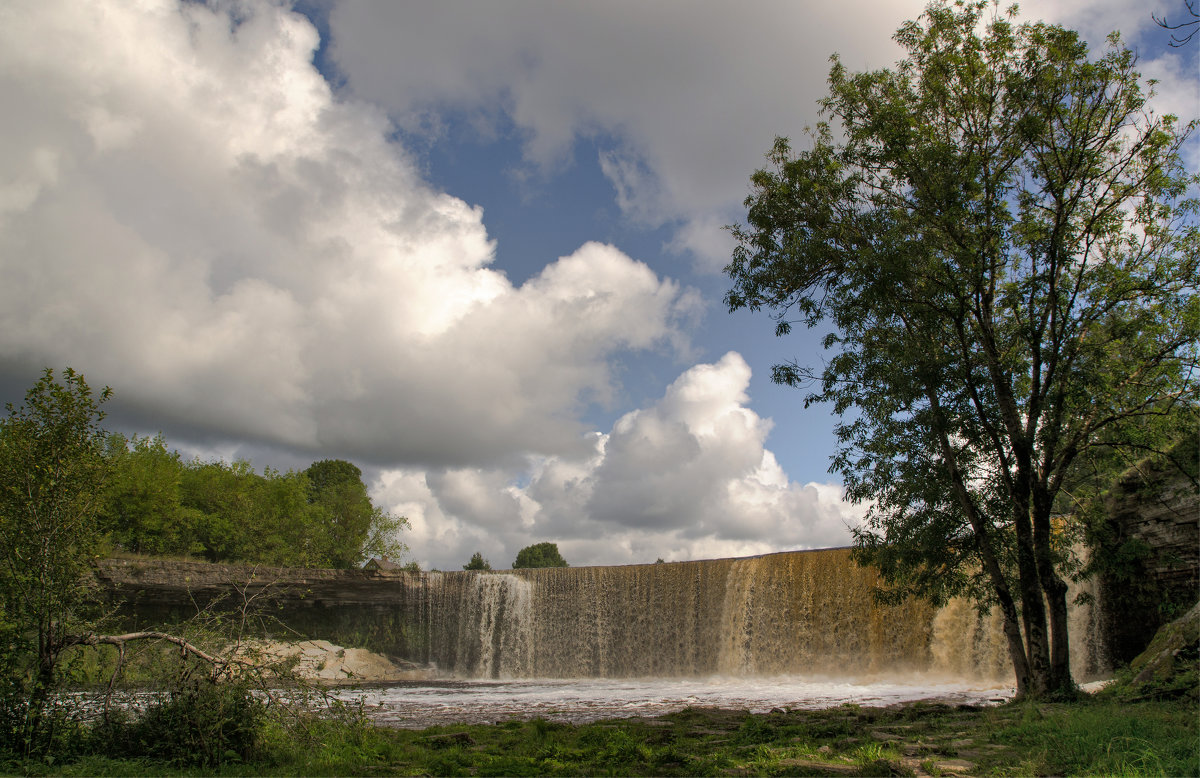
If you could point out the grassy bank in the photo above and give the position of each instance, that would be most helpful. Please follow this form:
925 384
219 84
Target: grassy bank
1094 737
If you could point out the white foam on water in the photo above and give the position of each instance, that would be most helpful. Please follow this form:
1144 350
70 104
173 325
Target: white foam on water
421 704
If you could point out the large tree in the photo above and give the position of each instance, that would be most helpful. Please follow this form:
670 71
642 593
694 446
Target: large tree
539 555
1004 240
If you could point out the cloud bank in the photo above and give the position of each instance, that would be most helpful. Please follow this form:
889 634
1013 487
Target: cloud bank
189 214
683 97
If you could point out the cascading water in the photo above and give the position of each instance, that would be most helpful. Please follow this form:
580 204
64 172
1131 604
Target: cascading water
795 613
498 615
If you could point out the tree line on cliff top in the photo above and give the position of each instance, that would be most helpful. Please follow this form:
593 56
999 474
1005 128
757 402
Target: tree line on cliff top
155 502
147 499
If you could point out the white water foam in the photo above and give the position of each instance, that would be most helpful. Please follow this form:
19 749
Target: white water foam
420 704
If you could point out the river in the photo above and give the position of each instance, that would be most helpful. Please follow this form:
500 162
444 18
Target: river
419 704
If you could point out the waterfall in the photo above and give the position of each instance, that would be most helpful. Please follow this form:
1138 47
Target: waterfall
970 644
794 613
479 624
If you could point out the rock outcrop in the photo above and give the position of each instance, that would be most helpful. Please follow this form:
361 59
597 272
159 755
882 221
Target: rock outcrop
320 660
1177 642
1151 544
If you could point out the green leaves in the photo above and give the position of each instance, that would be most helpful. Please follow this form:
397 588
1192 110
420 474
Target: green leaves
478 563
539 555
51 470
157 504
1002 240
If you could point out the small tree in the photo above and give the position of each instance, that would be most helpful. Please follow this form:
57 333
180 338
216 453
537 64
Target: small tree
1004 242
52 467
539 555
356 529
478 563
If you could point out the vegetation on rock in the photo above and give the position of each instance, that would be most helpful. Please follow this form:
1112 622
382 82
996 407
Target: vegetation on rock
156 503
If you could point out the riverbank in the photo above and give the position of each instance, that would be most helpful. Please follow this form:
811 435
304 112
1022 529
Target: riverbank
1099 735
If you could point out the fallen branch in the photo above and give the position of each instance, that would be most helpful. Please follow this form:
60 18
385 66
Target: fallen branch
185 647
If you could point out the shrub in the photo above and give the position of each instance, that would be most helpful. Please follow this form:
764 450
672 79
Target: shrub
201 723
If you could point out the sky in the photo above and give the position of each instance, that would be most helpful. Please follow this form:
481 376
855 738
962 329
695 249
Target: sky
474 248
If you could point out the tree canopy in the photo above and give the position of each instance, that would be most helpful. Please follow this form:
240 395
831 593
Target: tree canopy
155 503
1004 238
69 491
539 555
478 563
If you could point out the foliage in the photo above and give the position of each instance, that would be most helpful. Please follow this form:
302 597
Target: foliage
51 470
336 489
539 555
201 722
142 507
64 486
478 563
1004 243
155 503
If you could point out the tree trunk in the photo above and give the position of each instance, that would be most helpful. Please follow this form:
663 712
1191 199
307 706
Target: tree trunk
1012 632
1059 682
1033 606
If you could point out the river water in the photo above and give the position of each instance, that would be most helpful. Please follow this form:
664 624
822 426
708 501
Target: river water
419 704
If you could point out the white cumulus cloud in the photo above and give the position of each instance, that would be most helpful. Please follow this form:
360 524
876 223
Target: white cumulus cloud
683 96
687 477
189 214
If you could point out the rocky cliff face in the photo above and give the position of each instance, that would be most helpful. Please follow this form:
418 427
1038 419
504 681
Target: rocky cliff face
374 610
1151 546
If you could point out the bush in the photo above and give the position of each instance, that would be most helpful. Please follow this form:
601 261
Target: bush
203 723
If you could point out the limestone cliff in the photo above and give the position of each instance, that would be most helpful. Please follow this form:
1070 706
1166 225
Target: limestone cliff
1150 542
373 610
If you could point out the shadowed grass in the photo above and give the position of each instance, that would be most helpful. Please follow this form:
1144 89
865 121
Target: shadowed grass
1093 737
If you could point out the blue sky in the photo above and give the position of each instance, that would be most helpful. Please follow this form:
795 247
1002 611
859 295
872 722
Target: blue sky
474 247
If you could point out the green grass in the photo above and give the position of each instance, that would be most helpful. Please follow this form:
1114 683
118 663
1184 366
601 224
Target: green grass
1092 737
